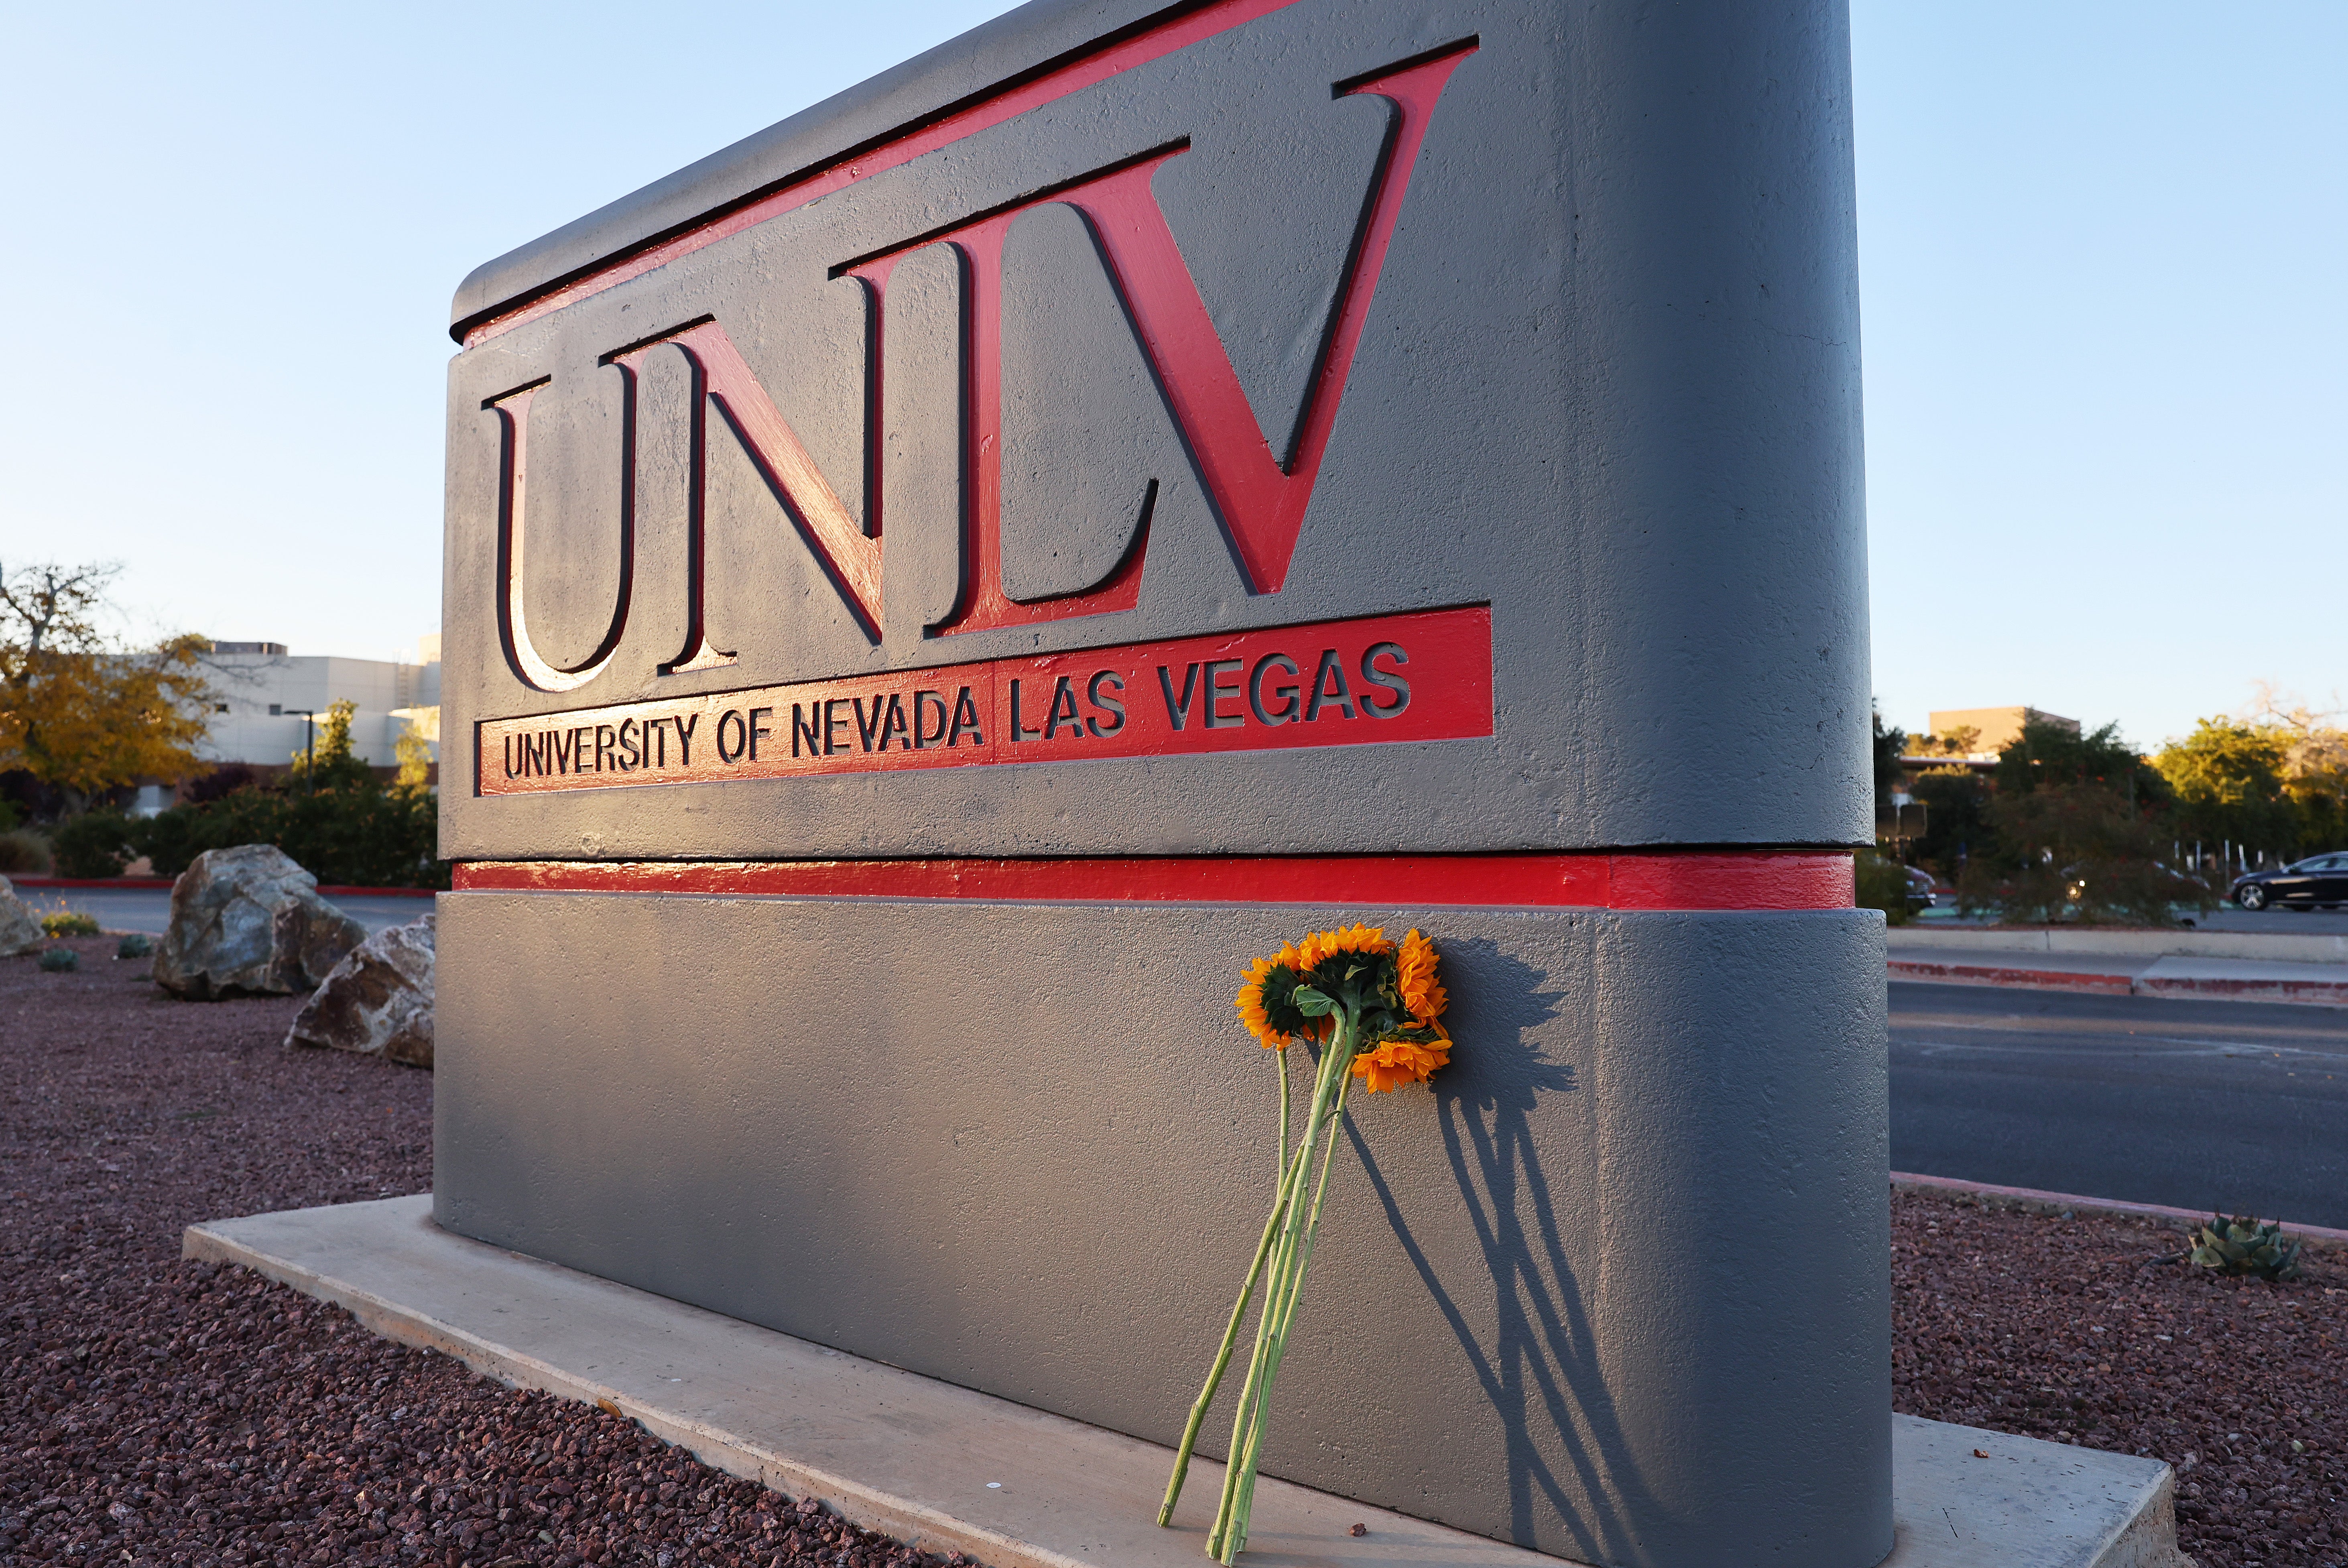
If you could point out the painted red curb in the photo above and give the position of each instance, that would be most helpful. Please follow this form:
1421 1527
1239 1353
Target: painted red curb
2305 993
1994 975
2078 1205
1707 880
167 883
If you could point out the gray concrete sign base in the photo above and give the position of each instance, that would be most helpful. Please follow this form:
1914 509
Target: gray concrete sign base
952 1470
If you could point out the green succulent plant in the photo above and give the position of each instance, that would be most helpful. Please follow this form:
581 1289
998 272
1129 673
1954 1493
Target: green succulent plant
134 945
2243 1246
57 960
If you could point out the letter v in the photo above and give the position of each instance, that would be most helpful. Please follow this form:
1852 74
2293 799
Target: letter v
1261 503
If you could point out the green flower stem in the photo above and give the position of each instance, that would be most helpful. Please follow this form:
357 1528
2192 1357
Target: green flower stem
1280 1171
1291 1185
1247 1430
1242 1419
1231 1338
1286 1308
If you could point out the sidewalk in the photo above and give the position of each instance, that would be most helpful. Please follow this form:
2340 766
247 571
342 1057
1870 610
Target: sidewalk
2122 974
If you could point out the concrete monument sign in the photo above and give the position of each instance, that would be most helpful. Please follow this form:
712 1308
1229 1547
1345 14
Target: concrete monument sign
933 587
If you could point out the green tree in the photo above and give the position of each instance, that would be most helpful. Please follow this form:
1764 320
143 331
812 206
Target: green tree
2228 780
2315 767
2044 754
328 762
1890 746
1956 819
2077 850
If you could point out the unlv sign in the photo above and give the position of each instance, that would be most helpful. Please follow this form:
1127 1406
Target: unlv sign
1258 496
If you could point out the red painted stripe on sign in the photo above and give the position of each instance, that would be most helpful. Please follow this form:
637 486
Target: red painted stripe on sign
1073 77
1423 675
1695 880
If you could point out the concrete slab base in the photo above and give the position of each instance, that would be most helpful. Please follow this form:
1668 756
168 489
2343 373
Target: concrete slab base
951 1469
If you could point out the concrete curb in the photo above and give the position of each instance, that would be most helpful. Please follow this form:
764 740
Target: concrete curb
2099 942
914 1458
2206 988
2064 1205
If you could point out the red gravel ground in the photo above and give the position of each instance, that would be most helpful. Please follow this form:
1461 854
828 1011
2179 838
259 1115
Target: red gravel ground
2070 1330
156 1411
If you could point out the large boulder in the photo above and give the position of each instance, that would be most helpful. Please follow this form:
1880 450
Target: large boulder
378 1001
248 922
20 928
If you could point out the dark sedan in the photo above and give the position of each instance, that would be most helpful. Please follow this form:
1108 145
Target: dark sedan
2320 881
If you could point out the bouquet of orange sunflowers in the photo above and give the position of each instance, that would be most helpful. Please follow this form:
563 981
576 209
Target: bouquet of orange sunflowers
1374 1010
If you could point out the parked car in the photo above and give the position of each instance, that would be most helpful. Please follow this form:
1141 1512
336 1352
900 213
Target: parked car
2318 881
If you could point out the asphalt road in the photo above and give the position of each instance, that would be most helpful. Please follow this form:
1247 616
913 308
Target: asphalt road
2237 1105
2278 922
150 909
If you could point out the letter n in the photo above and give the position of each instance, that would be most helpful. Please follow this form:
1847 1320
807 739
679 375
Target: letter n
723 379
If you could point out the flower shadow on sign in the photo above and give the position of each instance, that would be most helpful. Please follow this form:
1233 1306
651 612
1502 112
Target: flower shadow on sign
1541 1368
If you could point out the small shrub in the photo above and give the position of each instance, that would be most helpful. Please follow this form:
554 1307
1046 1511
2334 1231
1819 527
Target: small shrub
69 923
2243 1246
94 844
24 853
134 945
58 960
1882 884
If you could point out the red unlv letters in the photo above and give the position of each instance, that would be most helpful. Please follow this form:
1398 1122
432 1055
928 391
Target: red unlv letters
1421 676
1259 497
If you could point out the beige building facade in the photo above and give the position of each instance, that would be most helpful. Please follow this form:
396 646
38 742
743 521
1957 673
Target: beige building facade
1995 728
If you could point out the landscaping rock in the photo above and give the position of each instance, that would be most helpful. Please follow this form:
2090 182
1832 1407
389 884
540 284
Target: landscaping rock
248 922
378 1001
20 928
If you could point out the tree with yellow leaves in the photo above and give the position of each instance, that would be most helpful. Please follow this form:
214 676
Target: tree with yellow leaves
79 712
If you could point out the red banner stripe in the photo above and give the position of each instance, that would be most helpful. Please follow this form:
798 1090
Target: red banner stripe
1691 879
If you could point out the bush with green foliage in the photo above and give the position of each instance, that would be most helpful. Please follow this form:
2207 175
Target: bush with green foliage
24 853
2077 851
329 812
1882 884
134 945
2243 1246
69 923
57 960
95 843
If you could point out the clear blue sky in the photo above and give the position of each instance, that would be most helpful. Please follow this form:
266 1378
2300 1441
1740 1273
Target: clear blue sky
2106 337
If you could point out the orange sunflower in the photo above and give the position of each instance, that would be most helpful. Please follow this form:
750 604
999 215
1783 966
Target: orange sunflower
1422 993
1251 996
1329 944
1395 1063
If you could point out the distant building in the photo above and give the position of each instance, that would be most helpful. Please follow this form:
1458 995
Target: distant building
1995 728
260 692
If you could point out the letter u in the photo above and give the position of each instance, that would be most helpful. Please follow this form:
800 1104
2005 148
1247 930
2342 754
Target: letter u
512 409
